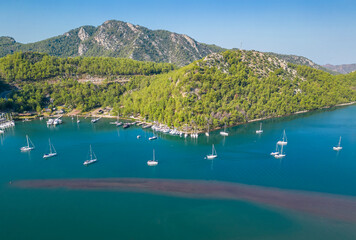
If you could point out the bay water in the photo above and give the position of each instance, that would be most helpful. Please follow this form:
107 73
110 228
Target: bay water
310 165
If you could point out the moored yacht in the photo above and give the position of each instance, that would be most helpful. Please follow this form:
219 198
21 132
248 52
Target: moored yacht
30 146
283 142
152 162
338 147
52 151
92 157
213 153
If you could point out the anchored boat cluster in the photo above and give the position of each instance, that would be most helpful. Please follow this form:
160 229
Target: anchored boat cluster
6 122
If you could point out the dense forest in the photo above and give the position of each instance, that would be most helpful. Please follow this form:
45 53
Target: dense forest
36 66
227 88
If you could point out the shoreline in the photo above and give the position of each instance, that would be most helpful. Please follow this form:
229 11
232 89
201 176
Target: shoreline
108 116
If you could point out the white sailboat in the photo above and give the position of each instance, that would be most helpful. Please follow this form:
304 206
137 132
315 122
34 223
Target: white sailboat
152 138
152 162
281 154
92 159
338 148
207 133
224 133
78 121
94 120
275 152
213 153
260 130
28 147
52 151
283 142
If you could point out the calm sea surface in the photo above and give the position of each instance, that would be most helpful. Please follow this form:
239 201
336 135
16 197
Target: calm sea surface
244 157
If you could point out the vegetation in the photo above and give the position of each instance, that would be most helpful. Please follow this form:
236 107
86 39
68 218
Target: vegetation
232 87
36 66
229 89
38 96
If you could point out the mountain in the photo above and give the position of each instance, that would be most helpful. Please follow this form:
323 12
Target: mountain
118 39
299 60
343 69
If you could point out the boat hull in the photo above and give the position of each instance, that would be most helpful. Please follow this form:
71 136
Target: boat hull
281 143
26 149
337 148
211 156
152 163
224 134
49 155
88 162
278 156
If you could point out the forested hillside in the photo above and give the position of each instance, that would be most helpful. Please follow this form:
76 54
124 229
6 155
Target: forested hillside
36 66
235 87
231 87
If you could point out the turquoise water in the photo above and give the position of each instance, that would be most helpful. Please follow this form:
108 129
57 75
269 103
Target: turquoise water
310 165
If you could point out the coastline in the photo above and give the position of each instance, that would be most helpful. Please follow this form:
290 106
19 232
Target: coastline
108 116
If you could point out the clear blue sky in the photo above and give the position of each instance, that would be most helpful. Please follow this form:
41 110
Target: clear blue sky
324 31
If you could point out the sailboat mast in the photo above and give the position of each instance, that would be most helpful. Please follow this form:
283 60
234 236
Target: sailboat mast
91 154
282 150
28 144
340 141
50 146
153 155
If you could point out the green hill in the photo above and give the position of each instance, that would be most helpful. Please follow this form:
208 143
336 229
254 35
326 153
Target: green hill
235 87
231 87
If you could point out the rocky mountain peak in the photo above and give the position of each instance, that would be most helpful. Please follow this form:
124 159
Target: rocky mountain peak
82 34
120 39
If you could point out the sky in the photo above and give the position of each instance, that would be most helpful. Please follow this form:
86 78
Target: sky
323 31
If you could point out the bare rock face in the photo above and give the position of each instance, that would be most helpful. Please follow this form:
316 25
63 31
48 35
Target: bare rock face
121 39
82 49
82 34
